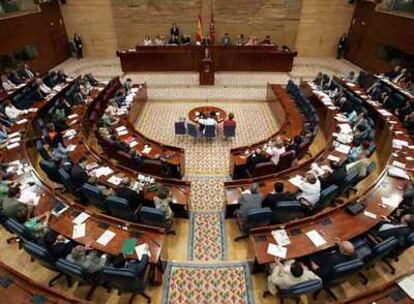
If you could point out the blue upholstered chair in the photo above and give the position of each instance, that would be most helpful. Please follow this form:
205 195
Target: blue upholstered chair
94 196
229 132
297 290
193 131
255 218
155 217
119 207
287 210
210 132
51 170
179 128
326 197
67 182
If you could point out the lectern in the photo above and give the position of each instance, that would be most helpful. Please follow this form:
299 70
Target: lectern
206 69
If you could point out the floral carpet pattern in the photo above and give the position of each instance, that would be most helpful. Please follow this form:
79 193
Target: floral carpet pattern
207 236
207 193
207 284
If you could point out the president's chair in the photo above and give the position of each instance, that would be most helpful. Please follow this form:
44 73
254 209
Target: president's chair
119 207
155 217
125 280
254 218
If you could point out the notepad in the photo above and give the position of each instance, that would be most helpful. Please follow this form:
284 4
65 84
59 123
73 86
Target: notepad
141 249
106 237
79 231
316 238
333 158
81 218
281 237
115 180
72 116
407 285
276 250
129 246
13 145
370 214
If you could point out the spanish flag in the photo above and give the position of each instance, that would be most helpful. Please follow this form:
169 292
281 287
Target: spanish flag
199 34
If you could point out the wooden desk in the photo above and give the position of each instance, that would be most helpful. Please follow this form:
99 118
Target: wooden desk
206 110
8 95
24 290
224 58
337 222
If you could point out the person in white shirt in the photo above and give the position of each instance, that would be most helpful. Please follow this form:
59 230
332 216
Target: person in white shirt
42 87
147 40
310 190
159 40
11 111
275 150
6 83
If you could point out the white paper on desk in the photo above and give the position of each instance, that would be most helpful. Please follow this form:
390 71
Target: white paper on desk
277 250
71 148
370 214
133 143
343 149
13 145
69 133
350 84
115 180
407 285
21 121
318 171
72 116
141 249
326 168
79 231
345 138
14 134
91 166
397 172
281 237
345 128
399 144
392 203
384 112
105 238
316 238
398 164
14 140
146 150
296 181
333 158
103 171
32 110
123 132
81 218
121 128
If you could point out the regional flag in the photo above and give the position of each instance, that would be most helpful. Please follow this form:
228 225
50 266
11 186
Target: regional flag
199 34
212 30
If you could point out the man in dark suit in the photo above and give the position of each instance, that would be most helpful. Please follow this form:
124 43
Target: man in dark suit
175 31
78 45
124 191
15 79
56 244
79 174
336 177
277 196
399 230
322 264
25 73
257 157
138 267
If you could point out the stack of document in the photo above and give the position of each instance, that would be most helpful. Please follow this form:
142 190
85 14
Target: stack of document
147 149
103 171
277 251
316 238
398 172
399 144
343 149
318 171
333 158
390 202
81 218
106 237
79 231
281 237
296 181
115 180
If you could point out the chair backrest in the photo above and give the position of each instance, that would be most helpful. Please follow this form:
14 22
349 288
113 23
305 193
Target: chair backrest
371 149
42 151
122 279
179 128
67 181
15 227
94 195
40 254
152 216
383 249
73 270
125 158
350 180
342 270
410 239
286 160
119 207
371 167
264 168
301 289
229 131
327 196
210 131
151 166
258 217
51 170
192 130
287 210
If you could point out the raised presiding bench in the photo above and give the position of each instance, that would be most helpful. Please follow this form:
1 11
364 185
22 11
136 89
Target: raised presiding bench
189 58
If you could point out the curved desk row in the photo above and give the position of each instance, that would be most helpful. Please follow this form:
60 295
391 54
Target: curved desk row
337 222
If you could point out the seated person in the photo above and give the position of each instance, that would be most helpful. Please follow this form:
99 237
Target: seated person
351 76
393 73
6 83
361 134
226 40
107 119
351 115
15 79
357 150
336 177
267 41
252 41
120 144
230 121
185 39
112 108
25 73
36 226
240 40
61 76
124 191
360 165
310 190
137 158
147 40
90 260
386 228
120 97
159 40
43 87
162 201
11 111
138 267
79 174
322 264
274 150
249 199
257 157
59 150
295 143
128 86
57 245
173 40
288 274
277 196
12 207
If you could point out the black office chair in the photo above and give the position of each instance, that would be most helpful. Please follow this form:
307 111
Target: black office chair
17 229
51 170
299 289
326 197
119 207
68 183
380 252
210 132
94 196
351 180
193 131
254 218
287 211
76 272
42 151
179 128
41 255
229 132
124 280
155 217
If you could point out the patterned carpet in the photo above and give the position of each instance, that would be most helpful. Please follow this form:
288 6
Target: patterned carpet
207 236
207 193
254 119
207 284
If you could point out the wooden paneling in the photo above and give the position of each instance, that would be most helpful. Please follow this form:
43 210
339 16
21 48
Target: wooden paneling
45 29
322 23
93 21
371 29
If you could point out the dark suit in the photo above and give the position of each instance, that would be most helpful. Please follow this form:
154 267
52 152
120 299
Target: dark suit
326 261
175 31
130 195
61 250
337 177
255 159
79 176
273 198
